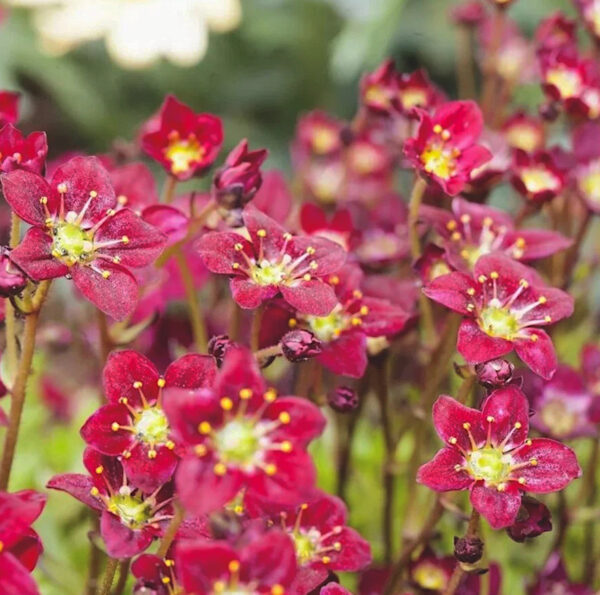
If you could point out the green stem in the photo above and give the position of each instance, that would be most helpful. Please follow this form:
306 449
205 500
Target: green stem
589 530
416 197
464 63
169 190
255 330
123 576
10 317
171 531
109 576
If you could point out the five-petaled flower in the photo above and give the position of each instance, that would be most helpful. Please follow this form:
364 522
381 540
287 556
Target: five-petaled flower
22 152
444 148
488 453
504 303
240 435
273 261
133 424
76 231
183 142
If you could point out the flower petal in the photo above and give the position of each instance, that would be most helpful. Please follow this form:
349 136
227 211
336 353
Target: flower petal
121 541
500 508
218 253
23 190
347 355
310 297
509 408
449 417
476 346
440 474
34 256
191 371
149 474
450 290
14 578
122 369
97 430
249 295
537 353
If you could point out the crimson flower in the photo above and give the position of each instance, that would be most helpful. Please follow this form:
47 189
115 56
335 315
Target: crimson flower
416 91
504 303
445 148
77 232
338 228
431 572
523 131
533 519
273 262
130 518
488 453
537 176
472 230
379 89
553 578
556 31
22 152
239 435
155 576
20 546
317 134
238 180
183 142
586 173
322 541
134 186
260 563
133 425
9 107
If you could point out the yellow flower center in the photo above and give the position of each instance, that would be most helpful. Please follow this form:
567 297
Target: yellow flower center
324 140
71 244
268 273
538 179
558 418
523 137
489 464
132 510
183 153
414 97
152 426
567 81
439 160
499 322
238 442
327 328
429 576
590 185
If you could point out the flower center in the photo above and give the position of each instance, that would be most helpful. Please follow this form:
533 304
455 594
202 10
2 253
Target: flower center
489 464
152 426
182 153
568 82
523 137
439 160
429 576
590 185
132 510
327 328
414 97
71 244
268 273
499 322
306 544
324 140
558 418
238 442
538 179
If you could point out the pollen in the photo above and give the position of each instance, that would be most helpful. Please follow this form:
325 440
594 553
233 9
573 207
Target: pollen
44 200
534 338
122 199
521 480
246 393
165 580
94 491
310 250
520 243
451 225
286 446
446 134
226 403
99 469
205 427
292 322
125 240
284 417
62 188
161 382
270 395
277 590
220 469
170 444
200 450
542 299
334 280
518 425
152 454
490 419
238 247
105 274
114 426
261 233
533 462
437 129
471 291
482 278
364 310
326 559
137 384
126 454
306 277
494 275
234 566
452 440
270 469
467 425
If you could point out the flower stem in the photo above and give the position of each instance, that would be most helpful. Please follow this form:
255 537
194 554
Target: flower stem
416 197
19 388
169 190
255 329
459 571
464 63
171 531
123 576
590 494
193 304
106 344
109 575
267 352
10 317
488 93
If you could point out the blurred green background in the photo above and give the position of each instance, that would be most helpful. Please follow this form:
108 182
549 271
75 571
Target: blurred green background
287 57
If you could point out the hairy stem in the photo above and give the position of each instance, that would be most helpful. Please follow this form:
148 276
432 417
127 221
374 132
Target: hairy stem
255 329
459 571
464 63
109 575
10 317
171 531
123 576
169 189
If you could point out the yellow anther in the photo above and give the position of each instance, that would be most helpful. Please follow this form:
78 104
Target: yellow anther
110 212
310 250
226 403
542 299
451 225
334 280
520 243
137 384
125 240
326 559
235 266
99 469
238 509
533 462
490 419
357 293
169 563
114 426
238 247
123 400
337 546
165 580
270 469
126 454
445 134
521 480
219 586
270 395
246 393
518 425
284 417
93 194
62 188
467 425
437 129
482 278
465 218
470 291
488 221
152 454
234 566
292 322
286 446
501 487
122 199
220 469
455 236
534 338
116 259
105 274
161 382
528 442
364 310
287 236
306 277
356 321
277 590
494 275
94 491
200 450
524 284
44 200
170 444
261 233
547 318
204 427
452 440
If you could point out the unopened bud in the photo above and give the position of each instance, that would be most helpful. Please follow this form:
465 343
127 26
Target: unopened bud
218 347
300 345
495 373
343 399
12 278
533 519
468 550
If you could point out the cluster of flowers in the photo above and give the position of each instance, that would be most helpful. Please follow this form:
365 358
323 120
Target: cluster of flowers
208 459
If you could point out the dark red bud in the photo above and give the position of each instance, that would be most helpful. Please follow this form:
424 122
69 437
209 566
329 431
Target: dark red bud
343 399
495 373
218 347
12 279
533 519
549 111
300 345
468 550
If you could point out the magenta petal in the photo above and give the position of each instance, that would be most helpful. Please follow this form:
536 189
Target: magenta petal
448 418
171 221
14 577
97 430
249 295
122 369
440 474
149 474
500 508
310 297
538 354
191 371
476 346
34 256
239 371
507 406
203 491
306 420
556 465
539 243
122 542
144 242
116 295
23 190
77 485
328 255
451 291
347 355
218 253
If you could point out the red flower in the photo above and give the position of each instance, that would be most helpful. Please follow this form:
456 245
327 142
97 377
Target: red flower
537 176
154 575
586 172
12 278
556 31
133 424
134 186
183 142
504 304
317 134
416 91
472 231
9 107
488 453
338 228
431 572
533 519
259 564
240 435
273 261
76 231
19 152
553 578
379 89
130 518
236 183
322 541
20 546
523 131
444 148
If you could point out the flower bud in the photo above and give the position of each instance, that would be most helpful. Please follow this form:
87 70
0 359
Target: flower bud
236 183
343 399
300 345
533 519
495 373
549 111
218 347
468 550
12 279
469 13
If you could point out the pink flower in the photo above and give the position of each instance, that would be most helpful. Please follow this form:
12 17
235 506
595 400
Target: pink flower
274 262
76 231
488 453
537 176
22 152
504 304
523 131
445 148
9 107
